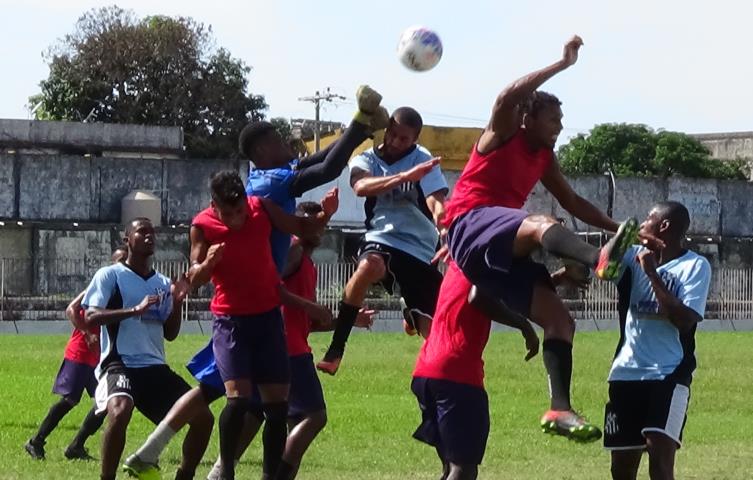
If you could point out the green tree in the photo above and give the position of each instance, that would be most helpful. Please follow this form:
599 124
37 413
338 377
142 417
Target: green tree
637 150
157 70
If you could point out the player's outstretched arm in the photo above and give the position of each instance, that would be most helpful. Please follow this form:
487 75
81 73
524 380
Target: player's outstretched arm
554 181
73 312
302 226
367 185
506 118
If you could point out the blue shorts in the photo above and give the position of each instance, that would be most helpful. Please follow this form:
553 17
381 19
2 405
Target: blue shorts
252 348
454 419
73 378
481 243
204 369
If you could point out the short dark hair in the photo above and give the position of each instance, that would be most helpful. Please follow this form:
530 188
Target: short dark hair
227 188
308 208
538 101
130 226
676 213
250 136
408 116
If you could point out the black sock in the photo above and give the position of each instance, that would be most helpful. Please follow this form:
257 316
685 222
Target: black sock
231 423
107 477
560 241
346 317
56 413
274 436
89 427
183 475
558 360
286 471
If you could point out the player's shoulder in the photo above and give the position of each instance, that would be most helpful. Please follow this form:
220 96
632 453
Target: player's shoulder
112 270
422 153
695 263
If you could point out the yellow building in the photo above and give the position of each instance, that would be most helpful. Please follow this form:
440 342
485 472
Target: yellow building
453 144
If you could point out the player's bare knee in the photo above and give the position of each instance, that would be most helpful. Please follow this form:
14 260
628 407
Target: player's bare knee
119 410
318 420
70 401
537 225
372 268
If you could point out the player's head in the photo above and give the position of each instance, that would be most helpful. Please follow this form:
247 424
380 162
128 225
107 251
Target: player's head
542 117
139 237
261 143
402 133
119 254
309 209
668 221
229 198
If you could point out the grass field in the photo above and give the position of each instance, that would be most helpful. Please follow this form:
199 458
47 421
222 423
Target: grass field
372 413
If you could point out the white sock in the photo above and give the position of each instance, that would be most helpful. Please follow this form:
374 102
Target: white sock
157 441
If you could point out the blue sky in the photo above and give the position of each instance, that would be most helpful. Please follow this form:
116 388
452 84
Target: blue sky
670 64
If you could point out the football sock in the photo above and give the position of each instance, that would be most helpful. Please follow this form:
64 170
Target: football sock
558 361
560 241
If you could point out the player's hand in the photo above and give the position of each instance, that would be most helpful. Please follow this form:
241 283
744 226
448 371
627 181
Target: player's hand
647 259
651 242
180 289
570 52
532 341
574 275
365 318
443 254
330 202
147 302
419 171
92 341
214 254
319 314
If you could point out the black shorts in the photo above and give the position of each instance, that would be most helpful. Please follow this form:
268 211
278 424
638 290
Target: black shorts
419 282
454 419
154 389
639 407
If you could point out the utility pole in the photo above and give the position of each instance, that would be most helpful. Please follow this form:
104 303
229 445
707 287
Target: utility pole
317 99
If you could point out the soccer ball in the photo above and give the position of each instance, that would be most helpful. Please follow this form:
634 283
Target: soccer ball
419 49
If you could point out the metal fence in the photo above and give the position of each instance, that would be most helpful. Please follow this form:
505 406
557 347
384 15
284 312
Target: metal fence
40 289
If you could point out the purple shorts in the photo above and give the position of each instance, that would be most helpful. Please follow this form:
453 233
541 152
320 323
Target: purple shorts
454 419
306 394
481 244
73 378
251 347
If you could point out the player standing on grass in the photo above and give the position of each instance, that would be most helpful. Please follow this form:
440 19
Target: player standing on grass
448 379
662 297
76 374
490 237
276 177
307 414
138 308
405 192
230 246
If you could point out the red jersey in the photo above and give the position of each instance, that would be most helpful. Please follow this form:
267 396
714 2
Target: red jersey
503 177
459 333
76 350
245 279
297 323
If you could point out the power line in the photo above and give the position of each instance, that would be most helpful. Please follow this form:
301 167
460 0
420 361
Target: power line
317 99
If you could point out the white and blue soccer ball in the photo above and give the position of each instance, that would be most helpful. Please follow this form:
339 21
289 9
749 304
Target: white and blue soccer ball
419 49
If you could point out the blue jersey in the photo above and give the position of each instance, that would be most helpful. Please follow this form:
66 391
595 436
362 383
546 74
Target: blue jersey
274 184
137 341
651 347
399 218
